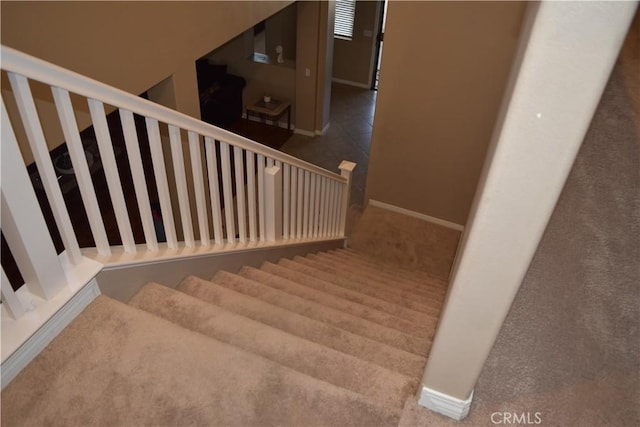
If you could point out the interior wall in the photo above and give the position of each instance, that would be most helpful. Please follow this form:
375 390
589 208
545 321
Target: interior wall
352 58
129 45
443 73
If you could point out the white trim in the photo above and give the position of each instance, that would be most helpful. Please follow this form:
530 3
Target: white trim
351 83
304 132
45 334
418 215
324 129
445 404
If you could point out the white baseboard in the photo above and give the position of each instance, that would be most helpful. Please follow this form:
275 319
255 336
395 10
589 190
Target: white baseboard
47 332
445 404
351 83
418 215
324 130
304 132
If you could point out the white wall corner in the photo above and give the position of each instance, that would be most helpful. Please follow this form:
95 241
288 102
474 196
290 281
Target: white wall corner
445 404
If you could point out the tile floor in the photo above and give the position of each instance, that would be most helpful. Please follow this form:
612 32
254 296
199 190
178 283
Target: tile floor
348 136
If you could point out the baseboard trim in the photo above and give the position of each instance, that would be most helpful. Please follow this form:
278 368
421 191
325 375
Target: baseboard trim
351 83
445 404
304 132
45 334
324 130
418 215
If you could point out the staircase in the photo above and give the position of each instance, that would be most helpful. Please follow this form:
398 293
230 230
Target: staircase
334 338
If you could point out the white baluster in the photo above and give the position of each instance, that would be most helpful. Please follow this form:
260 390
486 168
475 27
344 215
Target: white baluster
38 144
162 184
251 194
10 301
81 169
239 171
228 192
332 205
312 207
286 194
294 202
22 224
261 197
214 189
198 188
305 214
299 208
346 170
175 140
323 205
108 159
139 182
273 201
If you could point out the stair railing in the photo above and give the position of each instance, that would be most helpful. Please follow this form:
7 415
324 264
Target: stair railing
278 199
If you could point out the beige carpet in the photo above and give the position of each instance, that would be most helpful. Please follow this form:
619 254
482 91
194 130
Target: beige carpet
396 239
328 339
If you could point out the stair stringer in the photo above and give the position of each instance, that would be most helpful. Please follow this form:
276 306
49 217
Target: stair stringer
123 281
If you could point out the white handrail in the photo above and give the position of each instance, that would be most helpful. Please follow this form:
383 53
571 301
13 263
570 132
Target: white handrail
53 75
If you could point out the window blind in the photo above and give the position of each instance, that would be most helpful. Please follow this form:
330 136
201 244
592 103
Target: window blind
345 14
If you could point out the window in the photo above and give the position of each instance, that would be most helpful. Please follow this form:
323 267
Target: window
345 13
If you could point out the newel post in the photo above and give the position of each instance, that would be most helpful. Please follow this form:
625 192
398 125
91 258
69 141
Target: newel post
23 225
273 203
346 168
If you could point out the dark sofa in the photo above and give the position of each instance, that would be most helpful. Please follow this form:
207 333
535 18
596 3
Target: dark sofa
220 94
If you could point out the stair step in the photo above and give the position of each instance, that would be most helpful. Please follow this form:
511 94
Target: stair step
428 287
413 275
117 365
388 357
317 305
352 302
347 290
377 279
385 387
364 286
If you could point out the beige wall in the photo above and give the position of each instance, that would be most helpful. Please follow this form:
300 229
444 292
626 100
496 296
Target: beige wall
313 46
130 45
443 74
352 58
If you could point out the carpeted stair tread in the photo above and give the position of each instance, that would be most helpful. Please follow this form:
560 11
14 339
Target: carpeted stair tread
117 365
355 281
418 276
310 309
378 279
319 306
361 305
382 386
348 290
422 286
388 357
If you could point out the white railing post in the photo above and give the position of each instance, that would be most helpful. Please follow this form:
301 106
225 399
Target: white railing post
346 168
23 224
10 301
273 203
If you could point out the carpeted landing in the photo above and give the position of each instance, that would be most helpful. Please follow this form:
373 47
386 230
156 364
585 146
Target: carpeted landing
334 338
